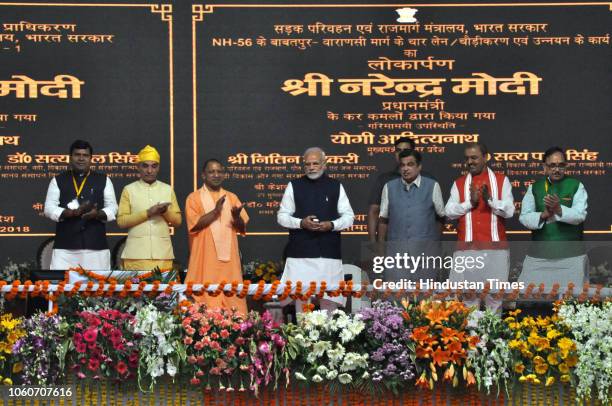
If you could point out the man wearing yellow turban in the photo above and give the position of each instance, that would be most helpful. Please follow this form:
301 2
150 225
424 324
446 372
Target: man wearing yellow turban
148 208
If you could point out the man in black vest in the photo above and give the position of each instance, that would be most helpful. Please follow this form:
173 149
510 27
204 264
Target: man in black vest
80 201
315 209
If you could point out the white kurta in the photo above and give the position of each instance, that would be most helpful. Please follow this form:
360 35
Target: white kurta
94 260
560 270
314 269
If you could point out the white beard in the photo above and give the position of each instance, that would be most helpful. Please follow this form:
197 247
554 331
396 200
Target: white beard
316 175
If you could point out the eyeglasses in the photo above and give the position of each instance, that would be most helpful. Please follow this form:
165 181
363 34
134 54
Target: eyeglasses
561 165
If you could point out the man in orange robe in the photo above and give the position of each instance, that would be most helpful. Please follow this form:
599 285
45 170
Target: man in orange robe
214 216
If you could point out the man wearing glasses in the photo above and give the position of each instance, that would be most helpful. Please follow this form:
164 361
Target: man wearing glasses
554 209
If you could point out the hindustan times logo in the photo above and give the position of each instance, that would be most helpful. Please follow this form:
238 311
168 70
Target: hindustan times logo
413 263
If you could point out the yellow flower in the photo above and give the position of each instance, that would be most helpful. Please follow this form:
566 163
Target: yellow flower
519 368
552 334
522 378
514 344
515 313
571 361
542 322
541 369
565 344
538 360
550 380
563 368
565 378
552 359
7 381
258 272
17 367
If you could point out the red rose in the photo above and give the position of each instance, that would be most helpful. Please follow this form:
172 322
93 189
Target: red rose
194 381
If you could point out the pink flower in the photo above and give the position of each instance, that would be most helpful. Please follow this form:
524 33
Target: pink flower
225 334
187 340
121 368
198 345
215 346
93 364
194 381
81 347
191 359
214 336
94 321
106 329
264 348
116 335
200 373
215 371
80 375
90 335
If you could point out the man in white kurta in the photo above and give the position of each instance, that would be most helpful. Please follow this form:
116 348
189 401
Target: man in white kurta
80 201
554 209
315 208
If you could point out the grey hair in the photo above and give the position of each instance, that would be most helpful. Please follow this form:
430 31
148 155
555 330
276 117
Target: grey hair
317 150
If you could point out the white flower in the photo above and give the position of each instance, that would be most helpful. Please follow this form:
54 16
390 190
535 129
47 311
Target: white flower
331 375
300 377
322 370
365 375
320 347
171 369
311 357
317 318
336 355
317 378
345 379
313 335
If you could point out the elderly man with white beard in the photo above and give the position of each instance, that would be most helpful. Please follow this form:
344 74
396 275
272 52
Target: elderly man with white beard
315 208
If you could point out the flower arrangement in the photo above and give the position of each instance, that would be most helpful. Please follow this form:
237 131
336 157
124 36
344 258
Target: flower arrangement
13 272
266 345
11 330
160 345
215 346
41 352
105 345
591 330
268 271
543 347
326 347
442 342
491 359
390 349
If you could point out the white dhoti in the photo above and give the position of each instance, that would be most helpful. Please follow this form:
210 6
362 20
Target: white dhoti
495 265
91 260
551 271
317 270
